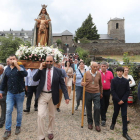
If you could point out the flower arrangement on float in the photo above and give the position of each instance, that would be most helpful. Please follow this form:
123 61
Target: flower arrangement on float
36 55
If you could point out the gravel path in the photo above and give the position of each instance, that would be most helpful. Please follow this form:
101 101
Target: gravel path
68 126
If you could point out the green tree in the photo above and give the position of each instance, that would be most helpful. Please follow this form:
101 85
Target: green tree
87 30
8 46
84 40
59 42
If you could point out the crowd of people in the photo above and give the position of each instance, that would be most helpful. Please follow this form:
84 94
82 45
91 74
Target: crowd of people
51 80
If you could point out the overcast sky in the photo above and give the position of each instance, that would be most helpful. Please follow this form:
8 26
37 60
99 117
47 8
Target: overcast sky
69 15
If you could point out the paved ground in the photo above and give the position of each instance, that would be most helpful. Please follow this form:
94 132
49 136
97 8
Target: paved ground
68 126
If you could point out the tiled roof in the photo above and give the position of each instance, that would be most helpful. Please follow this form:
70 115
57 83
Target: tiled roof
56 34
17 33
66 32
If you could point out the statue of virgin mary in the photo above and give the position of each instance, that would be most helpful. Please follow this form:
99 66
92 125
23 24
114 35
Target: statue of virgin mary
43 32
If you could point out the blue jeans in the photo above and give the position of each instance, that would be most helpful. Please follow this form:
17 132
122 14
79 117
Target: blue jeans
11 100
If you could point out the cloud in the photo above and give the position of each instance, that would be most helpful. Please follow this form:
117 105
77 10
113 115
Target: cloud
69 15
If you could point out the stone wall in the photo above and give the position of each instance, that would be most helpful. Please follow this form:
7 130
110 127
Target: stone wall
105 41
111 48
65 40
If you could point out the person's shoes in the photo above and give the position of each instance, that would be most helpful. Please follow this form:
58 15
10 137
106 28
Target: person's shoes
128 122
76 108
58 109
90 126
98 129
6 134
43 139
50 136
35 109
17 131
126 136
112 126
103 123
26 110
1 125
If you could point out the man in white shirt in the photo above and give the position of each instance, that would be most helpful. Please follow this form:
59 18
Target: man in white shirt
31 87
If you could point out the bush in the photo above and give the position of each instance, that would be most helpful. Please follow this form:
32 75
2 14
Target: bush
83 54
59 42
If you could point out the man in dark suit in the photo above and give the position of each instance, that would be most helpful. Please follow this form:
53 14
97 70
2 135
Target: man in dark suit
120 92
48 95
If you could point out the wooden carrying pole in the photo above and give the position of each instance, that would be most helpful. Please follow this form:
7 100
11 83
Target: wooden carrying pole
73 95
82 121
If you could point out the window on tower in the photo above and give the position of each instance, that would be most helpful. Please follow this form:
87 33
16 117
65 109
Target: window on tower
117 25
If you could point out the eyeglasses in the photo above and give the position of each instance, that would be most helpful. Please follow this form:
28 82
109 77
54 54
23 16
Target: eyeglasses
49 61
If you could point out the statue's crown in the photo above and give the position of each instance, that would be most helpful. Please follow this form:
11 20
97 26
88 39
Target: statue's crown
44 6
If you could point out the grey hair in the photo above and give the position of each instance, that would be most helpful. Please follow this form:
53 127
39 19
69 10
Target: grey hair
7 59
2 66
92 63
104 63
50 55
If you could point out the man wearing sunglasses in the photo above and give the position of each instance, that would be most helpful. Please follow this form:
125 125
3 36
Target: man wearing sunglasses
48 95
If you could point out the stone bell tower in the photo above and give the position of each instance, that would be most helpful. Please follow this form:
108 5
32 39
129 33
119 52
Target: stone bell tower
116 29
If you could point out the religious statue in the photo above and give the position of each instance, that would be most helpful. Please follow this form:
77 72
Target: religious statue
43 29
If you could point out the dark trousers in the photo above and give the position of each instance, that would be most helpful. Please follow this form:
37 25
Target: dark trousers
95 98
79 94
30 91
3 111
104 104
123 114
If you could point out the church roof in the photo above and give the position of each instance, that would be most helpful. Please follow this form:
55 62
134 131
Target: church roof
117 18
66 32
56 34
105 36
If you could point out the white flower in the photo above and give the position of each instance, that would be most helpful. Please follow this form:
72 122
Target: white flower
39 51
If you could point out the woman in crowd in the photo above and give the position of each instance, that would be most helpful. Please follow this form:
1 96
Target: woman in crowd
79 76
131 82
69 71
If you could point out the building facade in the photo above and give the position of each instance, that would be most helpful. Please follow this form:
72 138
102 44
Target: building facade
116 34
116 29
